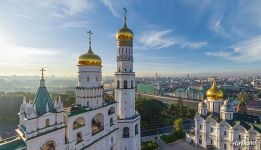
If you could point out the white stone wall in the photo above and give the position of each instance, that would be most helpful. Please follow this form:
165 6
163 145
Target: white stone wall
57 136
86 130
219 138
89 76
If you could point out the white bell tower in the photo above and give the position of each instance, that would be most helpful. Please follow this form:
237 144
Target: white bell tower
128 118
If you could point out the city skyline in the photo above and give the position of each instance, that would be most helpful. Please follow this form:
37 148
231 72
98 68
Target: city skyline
171 38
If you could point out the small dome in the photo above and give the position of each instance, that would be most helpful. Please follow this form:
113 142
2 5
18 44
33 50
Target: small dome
214 92
89 59
226 106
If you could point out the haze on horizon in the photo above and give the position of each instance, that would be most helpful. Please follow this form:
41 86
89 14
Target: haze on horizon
171 37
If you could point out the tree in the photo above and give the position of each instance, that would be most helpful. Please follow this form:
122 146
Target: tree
177 124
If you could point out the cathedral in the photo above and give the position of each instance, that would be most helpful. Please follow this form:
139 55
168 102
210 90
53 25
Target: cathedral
91 123
221 125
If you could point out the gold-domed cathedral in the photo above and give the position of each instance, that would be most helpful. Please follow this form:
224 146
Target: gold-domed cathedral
219 126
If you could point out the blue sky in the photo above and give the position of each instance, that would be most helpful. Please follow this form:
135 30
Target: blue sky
171 37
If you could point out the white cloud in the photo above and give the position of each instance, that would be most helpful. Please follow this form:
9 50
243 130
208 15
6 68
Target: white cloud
243 52
75 24
12 54
109 4
69 7
164 39
215 24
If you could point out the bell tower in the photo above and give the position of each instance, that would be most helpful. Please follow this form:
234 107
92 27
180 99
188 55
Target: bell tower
128 118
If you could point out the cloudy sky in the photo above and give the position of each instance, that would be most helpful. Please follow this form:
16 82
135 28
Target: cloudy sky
171 37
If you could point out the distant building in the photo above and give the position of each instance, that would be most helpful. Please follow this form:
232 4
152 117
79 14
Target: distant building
146 89
196 93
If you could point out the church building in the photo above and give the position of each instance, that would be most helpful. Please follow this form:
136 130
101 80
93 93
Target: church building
91 123
220 125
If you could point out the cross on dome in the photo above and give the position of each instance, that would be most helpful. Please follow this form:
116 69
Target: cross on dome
42 72
90 38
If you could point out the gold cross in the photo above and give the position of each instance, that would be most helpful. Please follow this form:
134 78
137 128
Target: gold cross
90 38
42 70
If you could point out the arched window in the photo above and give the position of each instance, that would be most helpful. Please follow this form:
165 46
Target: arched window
136 129
47 123
97 123
88 79
49 145
132 84
111 122
118 84
79 137
125 84
126 133
111 111
97 78
79 122
125 70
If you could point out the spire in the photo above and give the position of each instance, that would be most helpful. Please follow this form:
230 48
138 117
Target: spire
90 42
125 18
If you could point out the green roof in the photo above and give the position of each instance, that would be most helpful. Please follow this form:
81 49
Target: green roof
43 98
12 143
146 89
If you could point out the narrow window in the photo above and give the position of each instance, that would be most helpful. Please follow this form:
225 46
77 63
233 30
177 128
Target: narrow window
118 84
125 84
47 123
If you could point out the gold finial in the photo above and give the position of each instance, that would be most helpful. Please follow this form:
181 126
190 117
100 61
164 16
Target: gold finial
125 18
90 39
42 70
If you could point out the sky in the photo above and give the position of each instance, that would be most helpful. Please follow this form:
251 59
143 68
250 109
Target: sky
171 37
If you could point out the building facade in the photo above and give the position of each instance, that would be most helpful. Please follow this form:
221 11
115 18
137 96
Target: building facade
91 123
219 126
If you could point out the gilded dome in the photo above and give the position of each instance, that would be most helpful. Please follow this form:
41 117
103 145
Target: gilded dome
125 35
214 92
89 59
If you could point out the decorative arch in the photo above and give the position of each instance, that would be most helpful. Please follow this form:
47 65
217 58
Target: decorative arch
126 132
240 128
111 111
79 122
97 123
48 145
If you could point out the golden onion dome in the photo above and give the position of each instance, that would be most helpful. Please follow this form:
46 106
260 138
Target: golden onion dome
89 59
125 33
214 92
